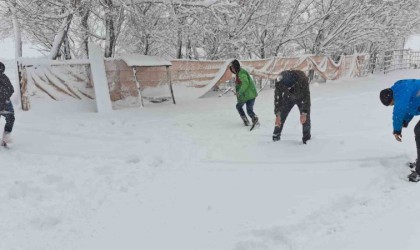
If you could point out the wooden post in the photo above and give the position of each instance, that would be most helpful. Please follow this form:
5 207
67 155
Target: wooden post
20 84
23 85
138 85
168 73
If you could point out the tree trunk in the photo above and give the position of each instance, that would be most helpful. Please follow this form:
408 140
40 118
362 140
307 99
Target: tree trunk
262 48
110 30
85 25
67 52
316 48
188 50
59 38
17 30
179 45
147 45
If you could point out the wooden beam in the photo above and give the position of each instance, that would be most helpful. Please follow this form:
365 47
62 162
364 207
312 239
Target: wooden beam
138 85
168 73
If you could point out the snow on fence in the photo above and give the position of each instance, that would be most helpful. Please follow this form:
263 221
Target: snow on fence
391 60
324 66
415 59
397 60
72 79
54 79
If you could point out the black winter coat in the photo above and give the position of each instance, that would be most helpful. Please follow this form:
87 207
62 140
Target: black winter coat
6 91
299 92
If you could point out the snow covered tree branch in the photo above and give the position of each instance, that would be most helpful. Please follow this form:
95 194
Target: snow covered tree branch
210 29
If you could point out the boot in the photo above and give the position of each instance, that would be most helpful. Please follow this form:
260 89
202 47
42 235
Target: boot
245 120
6 138
306 138
414 177
276 133
255 120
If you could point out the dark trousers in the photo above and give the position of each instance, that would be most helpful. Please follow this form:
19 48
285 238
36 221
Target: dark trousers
288 104
249 108
417 136
9 114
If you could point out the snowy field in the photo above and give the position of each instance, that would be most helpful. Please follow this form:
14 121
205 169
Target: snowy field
191 177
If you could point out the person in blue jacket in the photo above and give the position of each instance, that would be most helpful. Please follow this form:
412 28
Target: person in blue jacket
404 95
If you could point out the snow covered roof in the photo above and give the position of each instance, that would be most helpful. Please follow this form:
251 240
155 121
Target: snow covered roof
144 61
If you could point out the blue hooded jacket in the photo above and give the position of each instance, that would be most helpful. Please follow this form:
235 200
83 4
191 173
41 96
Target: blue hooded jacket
406 96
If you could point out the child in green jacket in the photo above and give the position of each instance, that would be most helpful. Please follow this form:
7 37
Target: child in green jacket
245 92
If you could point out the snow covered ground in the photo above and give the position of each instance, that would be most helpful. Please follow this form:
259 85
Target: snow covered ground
191 177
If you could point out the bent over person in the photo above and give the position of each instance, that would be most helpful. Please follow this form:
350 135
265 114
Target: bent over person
6 107
292 89
404 95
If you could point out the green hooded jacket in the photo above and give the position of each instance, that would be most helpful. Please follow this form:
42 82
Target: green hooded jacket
245 88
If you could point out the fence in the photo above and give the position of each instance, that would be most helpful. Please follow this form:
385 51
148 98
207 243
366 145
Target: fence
392 60
415 59
56 80
60 80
